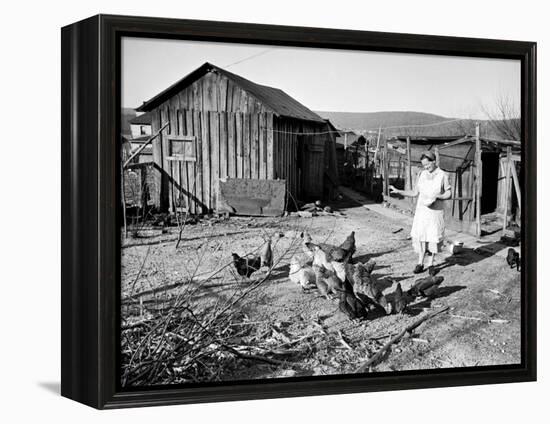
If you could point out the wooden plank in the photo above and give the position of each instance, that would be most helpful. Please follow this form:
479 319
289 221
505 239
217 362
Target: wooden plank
208 92
246 146
231 148
197 95
409 167
254 147
385 168
214 157
478 183
223 145
239 143
189 168
269 144
516 183
197 131
222 93
165 188
206 165
263 145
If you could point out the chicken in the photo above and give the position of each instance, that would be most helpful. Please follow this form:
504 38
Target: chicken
400 299
342 253
320 257
320 282
428 287
300 274
350 305
348 246
363 284
247 265
513 258
327 282
308 251
266 255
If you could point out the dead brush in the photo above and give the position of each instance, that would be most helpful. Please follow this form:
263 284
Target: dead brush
185 336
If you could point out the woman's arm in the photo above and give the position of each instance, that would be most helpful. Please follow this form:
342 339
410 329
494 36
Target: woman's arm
406 193
446 195
445 188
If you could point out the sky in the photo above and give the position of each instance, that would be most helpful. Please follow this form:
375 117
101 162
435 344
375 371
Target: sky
330 80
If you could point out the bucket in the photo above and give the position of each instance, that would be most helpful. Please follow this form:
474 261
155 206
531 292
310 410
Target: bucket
455 247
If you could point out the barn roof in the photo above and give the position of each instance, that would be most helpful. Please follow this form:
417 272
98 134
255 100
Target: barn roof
277 100
143 119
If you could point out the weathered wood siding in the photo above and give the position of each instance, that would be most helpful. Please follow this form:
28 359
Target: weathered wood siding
215 92
223 144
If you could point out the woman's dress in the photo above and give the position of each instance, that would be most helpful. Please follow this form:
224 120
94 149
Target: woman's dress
429 219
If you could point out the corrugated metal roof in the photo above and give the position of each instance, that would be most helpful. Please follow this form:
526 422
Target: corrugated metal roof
275 99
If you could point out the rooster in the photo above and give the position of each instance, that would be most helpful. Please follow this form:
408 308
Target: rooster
427 287
513 258
246 265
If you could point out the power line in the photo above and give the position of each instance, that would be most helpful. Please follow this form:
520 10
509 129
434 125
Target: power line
250 57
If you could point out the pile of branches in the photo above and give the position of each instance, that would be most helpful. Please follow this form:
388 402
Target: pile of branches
179 346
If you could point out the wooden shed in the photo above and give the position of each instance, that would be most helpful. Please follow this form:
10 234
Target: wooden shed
213 124
484 175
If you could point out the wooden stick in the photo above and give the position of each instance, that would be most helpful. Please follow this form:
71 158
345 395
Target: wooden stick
373 359
479 177
506 188
138 151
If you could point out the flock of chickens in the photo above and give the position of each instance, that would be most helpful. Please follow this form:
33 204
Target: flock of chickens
333 272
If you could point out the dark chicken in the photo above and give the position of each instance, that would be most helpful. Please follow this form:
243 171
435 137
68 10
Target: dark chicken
513 258
349 304
266 255
400 299
428 287
247 265
363 284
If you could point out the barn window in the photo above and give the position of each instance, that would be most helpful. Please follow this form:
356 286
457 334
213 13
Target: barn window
182 148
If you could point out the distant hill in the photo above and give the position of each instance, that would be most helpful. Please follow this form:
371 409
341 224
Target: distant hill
126 115
404 123
373 120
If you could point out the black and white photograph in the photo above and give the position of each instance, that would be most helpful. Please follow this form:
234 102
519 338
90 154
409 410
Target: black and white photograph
297 212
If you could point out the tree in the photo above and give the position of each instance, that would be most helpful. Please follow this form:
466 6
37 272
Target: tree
505 117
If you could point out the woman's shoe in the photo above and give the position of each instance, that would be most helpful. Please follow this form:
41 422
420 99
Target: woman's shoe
418 269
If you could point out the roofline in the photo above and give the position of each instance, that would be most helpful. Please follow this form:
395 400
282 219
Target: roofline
202 70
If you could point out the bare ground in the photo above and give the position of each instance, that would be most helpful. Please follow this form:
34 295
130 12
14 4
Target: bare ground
482 326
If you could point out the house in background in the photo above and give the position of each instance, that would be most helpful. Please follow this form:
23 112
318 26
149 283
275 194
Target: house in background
221 125
141 125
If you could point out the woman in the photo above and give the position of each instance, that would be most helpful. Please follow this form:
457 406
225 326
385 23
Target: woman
428 229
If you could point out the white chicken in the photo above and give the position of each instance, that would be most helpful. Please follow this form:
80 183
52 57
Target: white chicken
301 274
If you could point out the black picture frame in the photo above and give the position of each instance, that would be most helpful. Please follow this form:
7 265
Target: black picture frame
91 216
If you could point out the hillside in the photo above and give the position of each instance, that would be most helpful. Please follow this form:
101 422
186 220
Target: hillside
373 120
403 123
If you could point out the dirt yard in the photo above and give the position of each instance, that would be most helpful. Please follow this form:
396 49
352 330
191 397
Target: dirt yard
306 334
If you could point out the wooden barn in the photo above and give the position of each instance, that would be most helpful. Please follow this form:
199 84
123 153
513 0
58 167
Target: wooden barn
484 175
213 125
